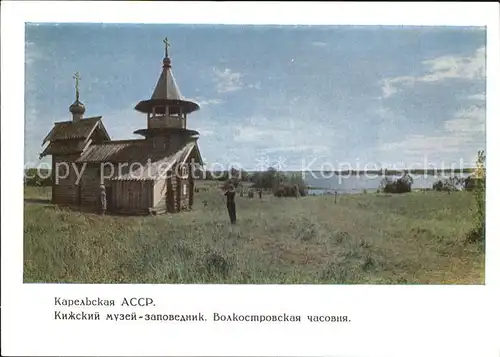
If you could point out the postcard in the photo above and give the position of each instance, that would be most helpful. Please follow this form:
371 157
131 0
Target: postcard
188 186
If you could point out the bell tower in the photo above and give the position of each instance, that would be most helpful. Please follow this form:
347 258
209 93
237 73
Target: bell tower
166 110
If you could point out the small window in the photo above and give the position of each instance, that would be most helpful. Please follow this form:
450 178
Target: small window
184 189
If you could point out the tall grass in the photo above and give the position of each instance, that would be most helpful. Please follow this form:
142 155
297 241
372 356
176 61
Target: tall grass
406 238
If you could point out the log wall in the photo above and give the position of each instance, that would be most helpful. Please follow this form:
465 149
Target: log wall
90 186
64 177
134 197
174 194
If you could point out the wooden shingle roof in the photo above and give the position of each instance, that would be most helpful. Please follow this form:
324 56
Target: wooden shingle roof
71 130
138 150
158 169
152 162
166 87
116 151
167 93
63 147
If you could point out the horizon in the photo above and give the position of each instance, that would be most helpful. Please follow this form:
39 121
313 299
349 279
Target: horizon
399 170
389 96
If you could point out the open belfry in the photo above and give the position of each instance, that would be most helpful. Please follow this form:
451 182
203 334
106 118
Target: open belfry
150 175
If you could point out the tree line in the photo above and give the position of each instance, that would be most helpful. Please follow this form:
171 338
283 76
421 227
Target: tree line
281 183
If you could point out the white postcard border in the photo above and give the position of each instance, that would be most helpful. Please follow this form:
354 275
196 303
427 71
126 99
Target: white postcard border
386 320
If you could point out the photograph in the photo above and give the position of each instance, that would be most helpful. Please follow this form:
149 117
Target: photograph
254 154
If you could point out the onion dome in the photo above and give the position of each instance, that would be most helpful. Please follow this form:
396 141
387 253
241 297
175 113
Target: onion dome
77 108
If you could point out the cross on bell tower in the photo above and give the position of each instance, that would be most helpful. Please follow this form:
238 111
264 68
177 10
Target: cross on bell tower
167 110
167 45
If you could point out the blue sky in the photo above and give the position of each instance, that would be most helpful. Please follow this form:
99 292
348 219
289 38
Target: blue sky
309 95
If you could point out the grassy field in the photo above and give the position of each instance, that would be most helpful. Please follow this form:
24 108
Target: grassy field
415 238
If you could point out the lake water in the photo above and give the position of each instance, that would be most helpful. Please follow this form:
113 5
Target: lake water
356 184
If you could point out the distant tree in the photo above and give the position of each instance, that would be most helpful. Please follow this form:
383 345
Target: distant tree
448 184
268 179
282 184
297 179
477 234
207 175
34 177
400 185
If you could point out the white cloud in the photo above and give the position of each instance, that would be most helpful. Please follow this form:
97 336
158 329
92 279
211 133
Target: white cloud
206 102
319 44
462 131
314 149
470 120
425 145
441 68
206 132
478 96
254 86
32 53
253 134
284 135
227 80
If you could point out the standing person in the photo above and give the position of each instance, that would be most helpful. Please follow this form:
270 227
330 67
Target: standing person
231 206
104 200
260 193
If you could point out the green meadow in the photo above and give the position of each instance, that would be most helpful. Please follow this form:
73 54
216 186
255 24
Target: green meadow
412 238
